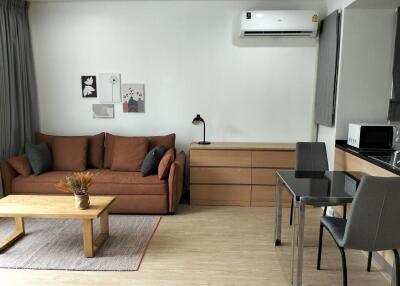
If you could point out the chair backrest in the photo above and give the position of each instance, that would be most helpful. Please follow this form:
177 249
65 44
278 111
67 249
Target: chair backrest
311 156
373 222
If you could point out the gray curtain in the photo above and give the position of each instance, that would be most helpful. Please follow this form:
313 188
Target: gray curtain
325 101
18 103
17 81
394 106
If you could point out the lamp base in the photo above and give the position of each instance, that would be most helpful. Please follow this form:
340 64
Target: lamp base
204 143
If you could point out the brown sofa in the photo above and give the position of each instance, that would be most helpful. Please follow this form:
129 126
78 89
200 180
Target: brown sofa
134 193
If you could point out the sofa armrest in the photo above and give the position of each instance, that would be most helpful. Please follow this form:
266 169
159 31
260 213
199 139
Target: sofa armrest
7 175
175 181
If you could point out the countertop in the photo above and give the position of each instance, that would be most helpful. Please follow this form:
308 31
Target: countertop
371 156
244 146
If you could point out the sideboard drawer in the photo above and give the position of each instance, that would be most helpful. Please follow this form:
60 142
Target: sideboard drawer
220 158
265 196
274 159
220 194
205 175
263 176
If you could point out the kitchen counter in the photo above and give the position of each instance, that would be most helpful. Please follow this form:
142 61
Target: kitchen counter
382 158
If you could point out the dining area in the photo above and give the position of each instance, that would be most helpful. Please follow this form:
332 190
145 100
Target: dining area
358 204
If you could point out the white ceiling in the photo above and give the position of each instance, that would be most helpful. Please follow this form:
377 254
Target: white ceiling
358 4
375 4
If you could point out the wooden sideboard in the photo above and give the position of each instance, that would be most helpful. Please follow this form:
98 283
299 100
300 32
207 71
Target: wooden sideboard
238 174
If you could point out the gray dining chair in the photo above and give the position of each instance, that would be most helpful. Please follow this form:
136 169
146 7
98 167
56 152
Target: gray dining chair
310 157
372 224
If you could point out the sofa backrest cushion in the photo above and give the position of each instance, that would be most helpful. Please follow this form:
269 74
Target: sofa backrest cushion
128 153
39 156
70 153
167 140
165 164
95 152
21 165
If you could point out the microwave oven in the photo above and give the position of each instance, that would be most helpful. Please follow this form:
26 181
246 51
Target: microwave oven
371 136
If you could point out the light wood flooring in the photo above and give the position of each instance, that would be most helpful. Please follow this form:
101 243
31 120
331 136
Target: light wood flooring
218 246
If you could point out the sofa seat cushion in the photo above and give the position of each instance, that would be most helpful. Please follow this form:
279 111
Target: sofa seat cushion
107 182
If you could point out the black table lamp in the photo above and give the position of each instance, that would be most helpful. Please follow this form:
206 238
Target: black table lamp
197 121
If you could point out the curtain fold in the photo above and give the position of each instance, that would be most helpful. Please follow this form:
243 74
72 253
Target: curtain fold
394 105
17 82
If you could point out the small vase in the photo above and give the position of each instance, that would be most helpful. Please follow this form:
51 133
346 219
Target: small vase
82 201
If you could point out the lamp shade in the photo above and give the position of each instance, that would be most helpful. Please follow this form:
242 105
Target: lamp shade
197 120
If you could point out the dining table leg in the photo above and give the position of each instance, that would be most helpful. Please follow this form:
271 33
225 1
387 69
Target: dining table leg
300 244
278 212
294 241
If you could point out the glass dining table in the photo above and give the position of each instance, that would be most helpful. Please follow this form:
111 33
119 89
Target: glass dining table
309 189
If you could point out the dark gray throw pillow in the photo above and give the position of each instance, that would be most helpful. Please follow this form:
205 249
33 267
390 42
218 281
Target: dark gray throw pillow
151 161
39 156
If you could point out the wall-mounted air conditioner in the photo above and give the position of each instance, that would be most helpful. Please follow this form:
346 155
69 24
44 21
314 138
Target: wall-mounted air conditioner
279 23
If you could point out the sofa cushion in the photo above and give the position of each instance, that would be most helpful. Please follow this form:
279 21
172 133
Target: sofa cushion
167 140
151 161
21 165
39 156
165 163
128 153
70 153
95 147
107 182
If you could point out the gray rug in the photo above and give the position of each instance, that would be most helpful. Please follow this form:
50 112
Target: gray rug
58 244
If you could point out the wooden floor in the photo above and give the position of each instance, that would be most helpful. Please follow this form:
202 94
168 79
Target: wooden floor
217 246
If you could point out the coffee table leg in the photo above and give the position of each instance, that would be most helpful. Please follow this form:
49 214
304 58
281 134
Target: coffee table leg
18 233
88 237
91 245
104 223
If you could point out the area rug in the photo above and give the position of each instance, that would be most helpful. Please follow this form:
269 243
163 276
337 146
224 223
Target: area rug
58 244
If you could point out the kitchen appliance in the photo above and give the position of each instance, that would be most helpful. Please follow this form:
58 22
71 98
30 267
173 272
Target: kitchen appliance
371 136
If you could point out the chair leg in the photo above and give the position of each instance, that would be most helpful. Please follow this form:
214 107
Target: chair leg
397 265
325 209
321 230
344 266
344 211
369 261
291 213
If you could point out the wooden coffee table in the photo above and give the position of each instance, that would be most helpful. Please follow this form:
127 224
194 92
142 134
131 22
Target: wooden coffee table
57 207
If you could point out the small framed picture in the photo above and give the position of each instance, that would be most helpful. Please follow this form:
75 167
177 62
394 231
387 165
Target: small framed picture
133 97
89 86
103 110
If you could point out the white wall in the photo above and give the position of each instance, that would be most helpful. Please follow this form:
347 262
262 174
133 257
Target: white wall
366 69
332 5
190 62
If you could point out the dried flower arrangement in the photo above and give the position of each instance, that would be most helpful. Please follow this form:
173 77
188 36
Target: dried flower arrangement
78 184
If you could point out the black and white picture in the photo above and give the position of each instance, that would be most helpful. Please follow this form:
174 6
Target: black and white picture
89 88
109 87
